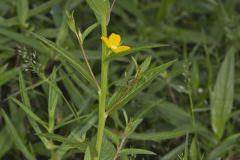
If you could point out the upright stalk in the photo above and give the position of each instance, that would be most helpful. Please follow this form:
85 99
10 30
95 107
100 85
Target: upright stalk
102 95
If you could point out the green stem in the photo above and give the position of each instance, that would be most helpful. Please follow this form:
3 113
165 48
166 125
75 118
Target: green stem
102 96
191 106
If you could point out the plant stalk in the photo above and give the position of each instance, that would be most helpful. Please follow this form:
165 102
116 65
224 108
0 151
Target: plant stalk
102 96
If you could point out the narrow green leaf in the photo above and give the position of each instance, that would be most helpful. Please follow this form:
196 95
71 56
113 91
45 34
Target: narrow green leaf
74 143
144 110
136 49
174 114
26 102
101 9
144 66
37 10
30 113
124 95
224 147
112 136
6 142
29 41
132 125
158 136
22 10
52 102
134 151
67 56
194 150
87 155
108 150
186 153
8 75
56 88
71 22
17 139
78 132
89 30
173 153
222 96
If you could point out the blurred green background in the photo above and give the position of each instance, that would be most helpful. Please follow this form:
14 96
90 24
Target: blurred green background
199 34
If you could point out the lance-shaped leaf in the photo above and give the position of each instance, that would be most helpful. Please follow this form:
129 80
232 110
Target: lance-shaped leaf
82 69
101 9
27 40
8 75
224 147
22 11
134 151
124 95
136 49
159 136
26 103
17 138
52 103
222 96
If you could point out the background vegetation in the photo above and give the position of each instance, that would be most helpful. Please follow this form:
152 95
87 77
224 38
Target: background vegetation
190 111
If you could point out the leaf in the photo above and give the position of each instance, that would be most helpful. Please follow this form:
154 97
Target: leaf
224 147
71 22
186 153
17 139
174 114
144 110
123 95
6 142
29 112
164 8
57 89
67 56
194 150
22 10
21 38
52 102
108 150
78 132
173 153
87 155
144 66
89 30
26 102
136 49
222 96
73 143
8 75
37 10
134 151
158 136
132 125
112 136
101 9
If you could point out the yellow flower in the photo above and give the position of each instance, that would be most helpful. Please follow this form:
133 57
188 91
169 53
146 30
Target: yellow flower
113 42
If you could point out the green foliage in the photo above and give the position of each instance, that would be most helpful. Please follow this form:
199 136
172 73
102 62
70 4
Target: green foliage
154 101
222 96
101 9
134 151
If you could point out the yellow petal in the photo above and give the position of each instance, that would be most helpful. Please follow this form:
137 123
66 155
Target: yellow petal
120 49
106 41
115 39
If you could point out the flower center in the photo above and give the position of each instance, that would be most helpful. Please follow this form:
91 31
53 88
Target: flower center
114 47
